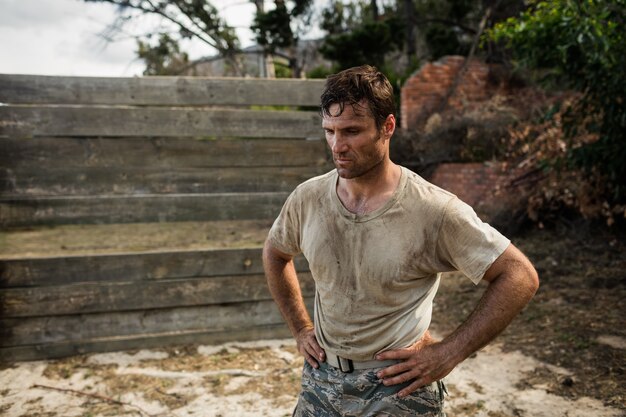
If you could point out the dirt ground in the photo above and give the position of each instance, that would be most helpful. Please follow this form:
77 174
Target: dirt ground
563 356
576 322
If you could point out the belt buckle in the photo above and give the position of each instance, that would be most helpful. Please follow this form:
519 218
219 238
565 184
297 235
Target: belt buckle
345 365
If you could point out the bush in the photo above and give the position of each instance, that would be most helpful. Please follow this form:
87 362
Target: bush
583 149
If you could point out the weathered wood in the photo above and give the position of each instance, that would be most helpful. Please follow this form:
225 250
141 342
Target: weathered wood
118 238
82 150
63 166
41 272
70 348
83 328
17 121
31 211
48 154
158 91
133 180
102 297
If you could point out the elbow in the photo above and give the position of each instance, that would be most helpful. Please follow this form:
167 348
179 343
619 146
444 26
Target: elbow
532 280
523 280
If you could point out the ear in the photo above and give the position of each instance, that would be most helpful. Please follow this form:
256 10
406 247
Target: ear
389 126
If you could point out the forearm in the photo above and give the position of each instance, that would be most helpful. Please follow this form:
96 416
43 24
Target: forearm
506 295
512 283
283 284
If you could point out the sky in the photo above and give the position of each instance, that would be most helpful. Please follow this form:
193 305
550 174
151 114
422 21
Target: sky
65 37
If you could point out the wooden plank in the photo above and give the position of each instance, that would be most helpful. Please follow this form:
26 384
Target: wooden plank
82 328
102 297
155 341
18 121
112 239
27 211
133 267
165 153
33 181
174 91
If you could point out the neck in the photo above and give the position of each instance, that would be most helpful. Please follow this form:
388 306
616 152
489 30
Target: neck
370 191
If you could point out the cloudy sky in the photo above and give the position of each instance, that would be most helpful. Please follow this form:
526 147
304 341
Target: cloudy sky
64 37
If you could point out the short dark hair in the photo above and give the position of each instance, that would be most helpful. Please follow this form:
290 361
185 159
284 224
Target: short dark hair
356 84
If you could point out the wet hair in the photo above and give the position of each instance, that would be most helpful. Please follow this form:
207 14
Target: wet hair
356 84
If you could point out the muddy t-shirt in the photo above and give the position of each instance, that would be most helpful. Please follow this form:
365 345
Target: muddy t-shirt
376 274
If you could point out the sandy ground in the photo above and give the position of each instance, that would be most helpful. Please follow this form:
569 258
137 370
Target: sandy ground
563 356
256 379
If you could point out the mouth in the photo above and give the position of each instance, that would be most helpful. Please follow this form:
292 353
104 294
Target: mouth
342 161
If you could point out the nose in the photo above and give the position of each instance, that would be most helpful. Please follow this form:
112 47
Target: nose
337 144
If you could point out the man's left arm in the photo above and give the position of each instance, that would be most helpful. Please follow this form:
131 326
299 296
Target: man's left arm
512 280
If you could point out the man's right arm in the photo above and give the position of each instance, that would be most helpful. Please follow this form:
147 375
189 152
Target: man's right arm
284 287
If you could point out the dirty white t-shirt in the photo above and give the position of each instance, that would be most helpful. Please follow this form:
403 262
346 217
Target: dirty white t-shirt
376 274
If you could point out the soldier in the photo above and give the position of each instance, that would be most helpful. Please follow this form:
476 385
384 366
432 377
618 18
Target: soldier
377 238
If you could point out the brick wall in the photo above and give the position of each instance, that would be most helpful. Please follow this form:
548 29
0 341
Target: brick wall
475 183
427 90
452 83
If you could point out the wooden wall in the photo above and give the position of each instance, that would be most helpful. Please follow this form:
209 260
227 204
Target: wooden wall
109 151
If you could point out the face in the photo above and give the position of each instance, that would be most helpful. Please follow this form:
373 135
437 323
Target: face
357 145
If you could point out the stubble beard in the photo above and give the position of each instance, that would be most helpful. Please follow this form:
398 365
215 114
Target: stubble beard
362 170
358 171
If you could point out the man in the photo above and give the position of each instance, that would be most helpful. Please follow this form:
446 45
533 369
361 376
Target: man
377 237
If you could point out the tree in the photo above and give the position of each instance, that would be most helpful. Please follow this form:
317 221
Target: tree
358 34
274 30
581 43
200 20
196 19
362 32
163 59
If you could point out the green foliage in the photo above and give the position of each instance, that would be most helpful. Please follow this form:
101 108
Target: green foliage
273 28
448 27
340 18
418 29
583 43
354 38
282 71
319 72
165 58
444 41
279 29
367 44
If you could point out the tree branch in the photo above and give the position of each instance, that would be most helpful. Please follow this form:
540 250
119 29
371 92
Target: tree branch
213 43
225 51
155 10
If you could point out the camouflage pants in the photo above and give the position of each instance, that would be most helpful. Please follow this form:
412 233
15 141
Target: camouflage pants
327 392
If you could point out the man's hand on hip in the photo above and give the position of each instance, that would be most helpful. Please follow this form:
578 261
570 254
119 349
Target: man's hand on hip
309 348
423 363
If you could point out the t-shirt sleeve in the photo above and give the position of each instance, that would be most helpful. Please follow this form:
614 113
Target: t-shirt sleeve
285 234
467 243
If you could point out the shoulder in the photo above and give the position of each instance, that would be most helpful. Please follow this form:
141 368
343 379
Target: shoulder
426 193
316 185
310 192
